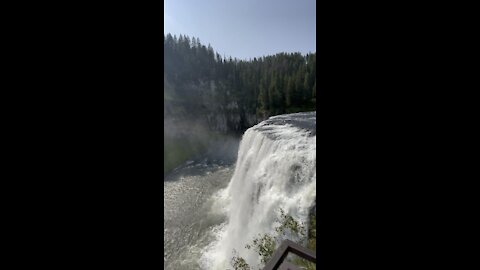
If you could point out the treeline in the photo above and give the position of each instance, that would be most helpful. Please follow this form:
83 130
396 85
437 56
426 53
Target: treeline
282 83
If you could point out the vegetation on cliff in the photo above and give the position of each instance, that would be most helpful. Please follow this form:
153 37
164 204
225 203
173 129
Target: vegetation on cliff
270 85
288 228
206 95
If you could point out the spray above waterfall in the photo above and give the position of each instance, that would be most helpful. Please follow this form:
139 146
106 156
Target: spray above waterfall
275 168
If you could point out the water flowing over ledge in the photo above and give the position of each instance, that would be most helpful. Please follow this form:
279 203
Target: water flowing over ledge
275 168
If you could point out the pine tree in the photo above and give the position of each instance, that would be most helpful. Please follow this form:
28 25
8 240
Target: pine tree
266 85
314 89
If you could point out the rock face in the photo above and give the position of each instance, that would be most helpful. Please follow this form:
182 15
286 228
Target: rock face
203 104
199 114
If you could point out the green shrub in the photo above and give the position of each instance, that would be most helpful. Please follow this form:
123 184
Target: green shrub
266 244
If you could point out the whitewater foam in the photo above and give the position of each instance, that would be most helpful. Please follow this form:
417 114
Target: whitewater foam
276 168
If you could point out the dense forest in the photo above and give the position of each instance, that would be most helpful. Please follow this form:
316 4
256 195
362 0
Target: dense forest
208 98
265 86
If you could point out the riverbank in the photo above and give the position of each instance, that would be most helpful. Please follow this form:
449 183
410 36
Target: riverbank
213 145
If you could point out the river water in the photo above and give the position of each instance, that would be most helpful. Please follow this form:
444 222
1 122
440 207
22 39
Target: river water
216 206
189 222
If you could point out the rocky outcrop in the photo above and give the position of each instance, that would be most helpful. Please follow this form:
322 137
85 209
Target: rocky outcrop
204 105
197 116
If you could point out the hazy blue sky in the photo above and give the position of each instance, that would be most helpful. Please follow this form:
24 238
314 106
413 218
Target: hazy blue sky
245 28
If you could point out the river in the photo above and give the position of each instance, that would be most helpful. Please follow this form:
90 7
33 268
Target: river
216 205
189 223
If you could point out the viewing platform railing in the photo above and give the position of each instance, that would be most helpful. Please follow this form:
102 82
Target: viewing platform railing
276 262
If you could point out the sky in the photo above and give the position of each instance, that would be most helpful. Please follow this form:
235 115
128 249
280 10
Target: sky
245 28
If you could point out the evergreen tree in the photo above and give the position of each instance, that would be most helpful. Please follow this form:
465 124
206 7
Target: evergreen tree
268 85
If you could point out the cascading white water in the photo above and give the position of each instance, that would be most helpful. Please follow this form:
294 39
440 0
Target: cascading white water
276 168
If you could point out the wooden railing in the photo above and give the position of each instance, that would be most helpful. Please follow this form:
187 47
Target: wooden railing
276 262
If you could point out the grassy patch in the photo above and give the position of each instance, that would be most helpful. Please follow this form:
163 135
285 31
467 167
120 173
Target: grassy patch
177 151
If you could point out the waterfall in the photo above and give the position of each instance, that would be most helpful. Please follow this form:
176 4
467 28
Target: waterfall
275 168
